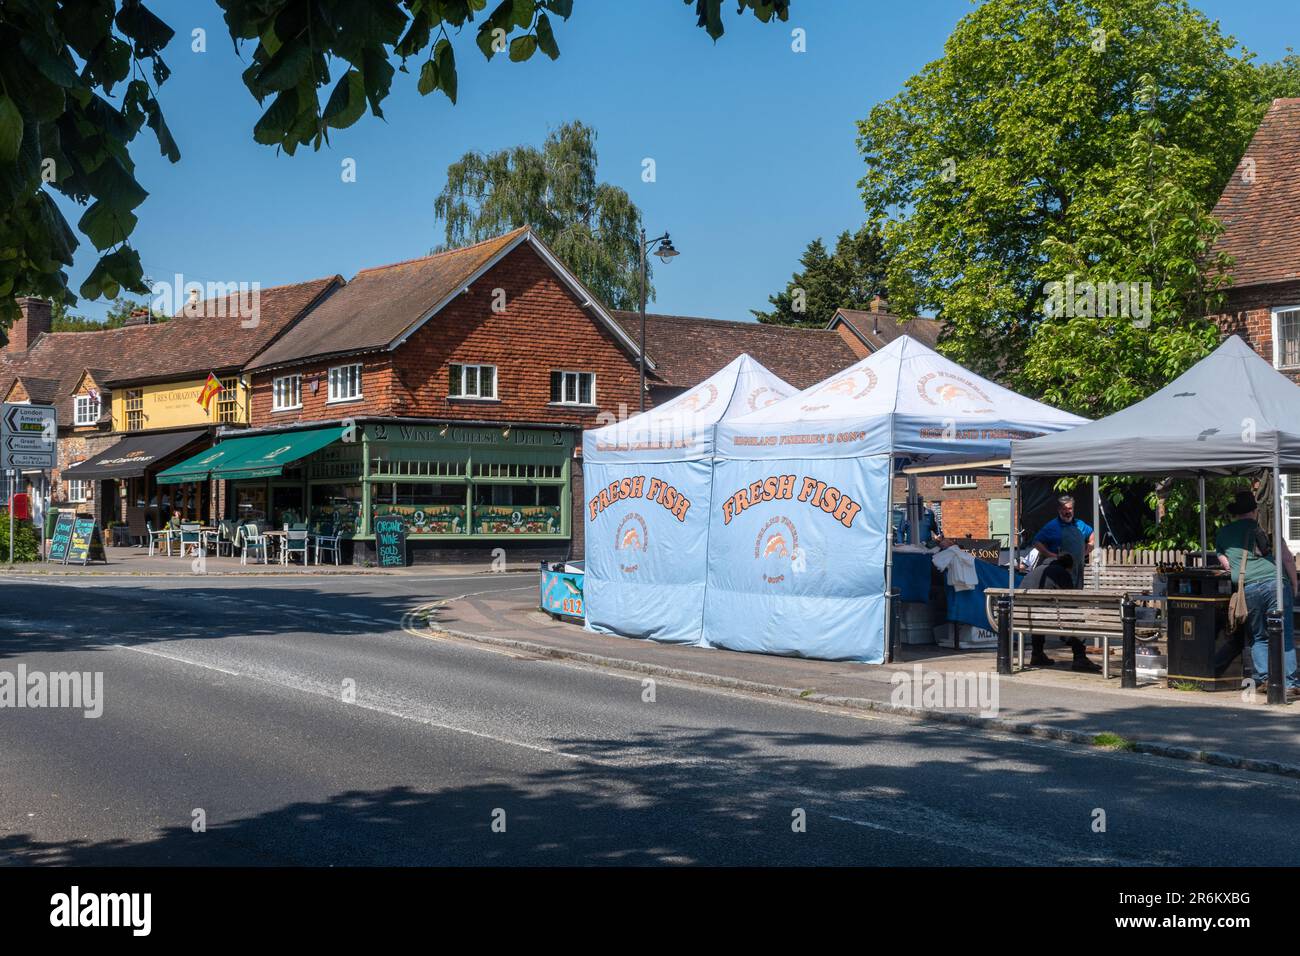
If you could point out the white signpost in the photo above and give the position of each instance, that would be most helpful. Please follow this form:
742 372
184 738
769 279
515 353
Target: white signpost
28 439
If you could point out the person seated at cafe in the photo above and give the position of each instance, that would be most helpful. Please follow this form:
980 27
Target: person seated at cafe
1066 534
1056 574
1243 537
931 533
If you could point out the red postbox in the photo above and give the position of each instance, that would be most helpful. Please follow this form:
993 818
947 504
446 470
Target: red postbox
20 506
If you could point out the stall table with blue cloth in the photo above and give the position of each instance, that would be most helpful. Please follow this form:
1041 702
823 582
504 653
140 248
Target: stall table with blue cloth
912 572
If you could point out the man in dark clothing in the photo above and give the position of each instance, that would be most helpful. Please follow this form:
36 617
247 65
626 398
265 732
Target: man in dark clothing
1058 573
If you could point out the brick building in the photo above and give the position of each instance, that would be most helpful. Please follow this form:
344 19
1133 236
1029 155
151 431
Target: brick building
450 389
1260 213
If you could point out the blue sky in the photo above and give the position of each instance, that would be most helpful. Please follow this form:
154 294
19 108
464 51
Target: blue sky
754 144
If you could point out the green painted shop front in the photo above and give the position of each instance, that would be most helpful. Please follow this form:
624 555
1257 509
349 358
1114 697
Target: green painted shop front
470 487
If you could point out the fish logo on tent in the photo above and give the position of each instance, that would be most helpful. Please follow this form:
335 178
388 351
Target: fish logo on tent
954 392
776 545
775 548
630 538
698 402
847 385
763 396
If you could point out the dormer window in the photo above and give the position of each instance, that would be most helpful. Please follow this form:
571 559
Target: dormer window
86 410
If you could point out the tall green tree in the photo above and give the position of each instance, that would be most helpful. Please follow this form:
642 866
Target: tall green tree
592 226
79 79
848 278
1073 142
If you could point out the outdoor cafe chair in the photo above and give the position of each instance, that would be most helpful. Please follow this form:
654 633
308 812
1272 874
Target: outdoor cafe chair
251 539
295 542
164 536
191 537
327 539
226 532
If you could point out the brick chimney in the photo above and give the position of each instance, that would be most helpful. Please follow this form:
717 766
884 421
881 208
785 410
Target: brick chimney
878 305
139 317
34 318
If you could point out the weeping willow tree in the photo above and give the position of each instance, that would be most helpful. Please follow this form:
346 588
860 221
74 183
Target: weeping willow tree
592 226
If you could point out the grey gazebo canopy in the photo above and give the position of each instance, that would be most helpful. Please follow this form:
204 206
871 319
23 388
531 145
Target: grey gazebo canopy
1230 413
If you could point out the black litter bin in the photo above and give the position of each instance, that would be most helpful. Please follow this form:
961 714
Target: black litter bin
1202 651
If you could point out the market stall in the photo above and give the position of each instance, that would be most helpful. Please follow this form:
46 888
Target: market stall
648 484
1230 414
800 542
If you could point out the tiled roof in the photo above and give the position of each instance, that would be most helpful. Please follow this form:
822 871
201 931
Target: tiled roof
1260 206
878 329
688 349
63 357
378 306
219 334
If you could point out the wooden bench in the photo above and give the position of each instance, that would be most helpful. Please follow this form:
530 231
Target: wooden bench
1119 578
1089 615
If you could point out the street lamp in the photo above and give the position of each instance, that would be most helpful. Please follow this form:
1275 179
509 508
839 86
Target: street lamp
666 253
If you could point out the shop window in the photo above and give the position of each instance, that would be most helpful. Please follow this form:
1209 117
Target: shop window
517 509
429 507
228 401
134 404
573 388
286 393
249 502
335 507
345 383
86 410
473 381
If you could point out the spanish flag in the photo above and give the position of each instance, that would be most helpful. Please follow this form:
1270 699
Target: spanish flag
211 389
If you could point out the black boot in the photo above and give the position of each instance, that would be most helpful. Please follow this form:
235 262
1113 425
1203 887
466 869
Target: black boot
1081 662
1038 658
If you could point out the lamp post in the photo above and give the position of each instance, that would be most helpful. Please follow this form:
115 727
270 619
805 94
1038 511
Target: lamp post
665 252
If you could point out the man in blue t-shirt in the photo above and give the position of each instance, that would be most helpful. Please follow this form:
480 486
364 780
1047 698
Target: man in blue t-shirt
1065 534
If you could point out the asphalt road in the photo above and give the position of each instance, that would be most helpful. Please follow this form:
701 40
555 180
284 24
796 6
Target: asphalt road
229 696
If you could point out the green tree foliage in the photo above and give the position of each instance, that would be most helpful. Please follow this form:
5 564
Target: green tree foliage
592 226
62 319
847 278
79 78
1055 141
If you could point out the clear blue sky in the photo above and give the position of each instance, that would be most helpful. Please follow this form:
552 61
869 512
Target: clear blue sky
754 144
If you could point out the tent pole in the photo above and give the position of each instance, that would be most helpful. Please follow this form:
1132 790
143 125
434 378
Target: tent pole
1096 523
1277 632
889 562
913 512
1011 568
1200 489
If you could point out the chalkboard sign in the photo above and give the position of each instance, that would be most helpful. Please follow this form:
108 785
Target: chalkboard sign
61 537
86 544
390 540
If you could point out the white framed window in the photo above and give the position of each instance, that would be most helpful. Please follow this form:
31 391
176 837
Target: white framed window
1286 336
573 388
78 490
472 381
960 481
286 393
345 383
86 410
1291 511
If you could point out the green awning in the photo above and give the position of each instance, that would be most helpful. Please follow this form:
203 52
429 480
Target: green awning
257 456
266 456
199 467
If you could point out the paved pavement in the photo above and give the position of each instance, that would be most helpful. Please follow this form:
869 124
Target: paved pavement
316 721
